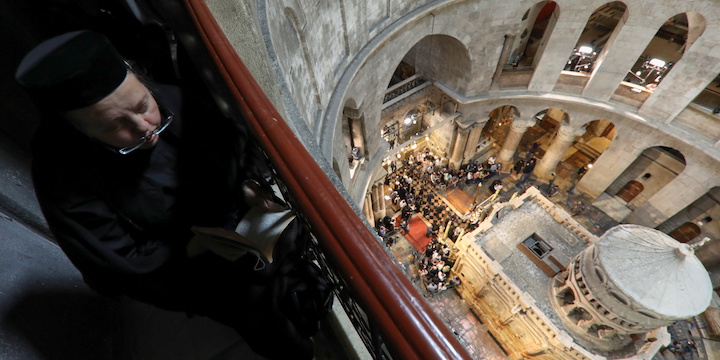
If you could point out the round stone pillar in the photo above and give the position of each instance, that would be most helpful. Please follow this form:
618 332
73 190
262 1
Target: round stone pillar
565 137
459 149
472 141
378 202
367 209
512 140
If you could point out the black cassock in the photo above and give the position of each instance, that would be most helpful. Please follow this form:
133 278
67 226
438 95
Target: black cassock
124 220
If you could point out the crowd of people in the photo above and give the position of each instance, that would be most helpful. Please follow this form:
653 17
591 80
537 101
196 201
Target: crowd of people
410 181
434 267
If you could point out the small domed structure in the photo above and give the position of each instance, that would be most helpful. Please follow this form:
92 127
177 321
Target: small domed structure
633 281
655 271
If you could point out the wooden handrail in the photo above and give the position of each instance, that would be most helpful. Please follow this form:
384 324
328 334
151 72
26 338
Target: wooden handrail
411 329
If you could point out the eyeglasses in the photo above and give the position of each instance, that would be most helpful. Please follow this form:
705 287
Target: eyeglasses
166 121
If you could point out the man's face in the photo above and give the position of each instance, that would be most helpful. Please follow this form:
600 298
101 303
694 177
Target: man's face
122 118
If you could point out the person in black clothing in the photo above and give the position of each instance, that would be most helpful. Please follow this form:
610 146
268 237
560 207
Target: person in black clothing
126 172
527 170
518 166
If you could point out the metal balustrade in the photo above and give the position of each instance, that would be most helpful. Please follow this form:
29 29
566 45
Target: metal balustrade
392 318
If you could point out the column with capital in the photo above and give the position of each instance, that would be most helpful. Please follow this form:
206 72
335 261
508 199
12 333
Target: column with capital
368 209
472 140
565 137
459 149
378 202
512 140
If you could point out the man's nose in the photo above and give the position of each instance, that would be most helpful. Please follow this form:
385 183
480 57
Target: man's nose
140 124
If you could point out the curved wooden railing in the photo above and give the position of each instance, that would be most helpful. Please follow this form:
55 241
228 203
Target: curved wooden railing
410 328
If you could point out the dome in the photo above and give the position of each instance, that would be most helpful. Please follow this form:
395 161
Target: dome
655 270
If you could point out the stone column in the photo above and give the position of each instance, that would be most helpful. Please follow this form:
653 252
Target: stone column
682 85
562 141
472 141
609 166
382 205
367 209
504 56
613 64
378 202
512 140
555 47
458 151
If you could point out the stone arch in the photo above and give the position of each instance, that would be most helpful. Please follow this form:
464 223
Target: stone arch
601 25
548 122
654 168
599 33
439 57
498 124
586 149
666 48
538 21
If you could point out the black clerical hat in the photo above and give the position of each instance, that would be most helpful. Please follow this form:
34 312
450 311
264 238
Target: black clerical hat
72 70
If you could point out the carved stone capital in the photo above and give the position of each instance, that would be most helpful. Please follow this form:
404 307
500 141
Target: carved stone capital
521 126
569 133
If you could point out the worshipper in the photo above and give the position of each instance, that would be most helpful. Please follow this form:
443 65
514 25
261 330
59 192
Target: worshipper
382 231
578 208
446 268
435 256
527 171
552 190
553 176
478 177
496 185
445 250
452 184
456 232
469 178
429 249
128 175
404 226
518 167
533 149
494 169
432 287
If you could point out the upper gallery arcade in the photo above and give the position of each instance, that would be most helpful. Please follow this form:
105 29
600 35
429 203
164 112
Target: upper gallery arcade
626 87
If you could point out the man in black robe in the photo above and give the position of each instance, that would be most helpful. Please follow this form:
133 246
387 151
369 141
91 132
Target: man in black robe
123 170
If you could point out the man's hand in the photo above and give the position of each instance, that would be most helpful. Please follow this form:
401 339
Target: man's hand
256 196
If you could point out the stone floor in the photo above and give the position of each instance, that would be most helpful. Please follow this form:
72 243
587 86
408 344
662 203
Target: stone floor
451 308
